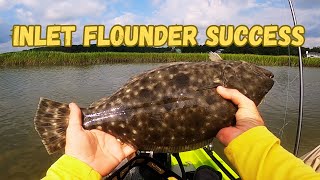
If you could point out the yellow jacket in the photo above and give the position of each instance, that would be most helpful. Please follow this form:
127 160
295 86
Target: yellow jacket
256 154
67 167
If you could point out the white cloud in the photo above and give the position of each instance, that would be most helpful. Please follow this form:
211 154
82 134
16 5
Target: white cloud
6 4
2 3
74 9
30 3
59 12
309 18
126 18
206 12
312 42
234 12
25 16
156 2
218 12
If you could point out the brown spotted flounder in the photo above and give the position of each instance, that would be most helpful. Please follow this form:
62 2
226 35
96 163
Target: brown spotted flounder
171 108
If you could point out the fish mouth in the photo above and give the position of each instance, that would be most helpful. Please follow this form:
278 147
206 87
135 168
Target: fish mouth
267 73
261 70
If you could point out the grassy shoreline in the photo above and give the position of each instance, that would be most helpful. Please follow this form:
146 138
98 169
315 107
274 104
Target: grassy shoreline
47 58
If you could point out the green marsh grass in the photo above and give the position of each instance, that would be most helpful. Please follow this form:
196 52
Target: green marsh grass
47 58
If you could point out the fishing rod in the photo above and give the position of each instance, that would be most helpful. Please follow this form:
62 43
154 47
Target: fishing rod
299 125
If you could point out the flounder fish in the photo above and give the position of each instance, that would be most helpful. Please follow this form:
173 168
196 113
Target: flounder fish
172 108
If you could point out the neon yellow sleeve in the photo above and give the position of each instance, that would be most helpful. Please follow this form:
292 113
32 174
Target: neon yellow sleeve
257 154
67 167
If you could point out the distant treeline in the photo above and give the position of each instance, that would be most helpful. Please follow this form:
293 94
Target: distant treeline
197 49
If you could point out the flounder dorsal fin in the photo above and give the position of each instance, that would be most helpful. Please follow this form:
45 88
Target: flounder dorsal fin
99 102
214 56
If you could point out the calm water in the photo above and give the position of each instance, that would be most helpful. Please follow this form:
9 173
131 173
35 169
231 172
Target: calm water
24 157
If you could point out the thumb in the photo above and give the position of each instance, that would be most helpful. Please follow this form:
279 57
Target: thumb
226 135
235 96
75 117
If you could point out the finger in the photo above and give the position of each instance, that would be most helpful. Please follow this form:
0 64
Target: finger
109 138
128 150
235 96
75 117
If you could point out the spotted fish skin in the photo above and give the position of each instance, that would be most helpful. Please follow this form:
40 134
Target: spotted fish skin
175 107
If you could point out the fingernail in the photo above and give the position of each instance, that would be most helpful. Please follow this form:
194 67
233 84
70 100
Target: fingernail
71 104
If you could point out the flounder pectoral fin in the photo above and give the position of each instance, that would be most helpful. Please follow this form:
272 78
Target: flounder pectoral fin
214 56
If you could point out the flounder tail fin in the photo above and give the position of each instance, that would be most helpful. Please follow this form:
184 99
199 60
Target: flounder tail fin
214 56
51 122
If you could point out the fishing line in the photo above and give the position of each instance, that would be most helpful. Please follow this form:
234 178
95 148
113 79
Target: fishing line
285 122
294 79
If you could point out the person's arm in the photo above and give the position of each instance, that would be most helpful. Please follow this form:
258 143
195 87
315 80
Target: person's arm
89 154
68 167
257 154
254 151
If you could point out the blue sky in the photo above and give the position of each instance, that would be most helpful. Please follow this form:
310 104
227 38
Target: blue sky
201 13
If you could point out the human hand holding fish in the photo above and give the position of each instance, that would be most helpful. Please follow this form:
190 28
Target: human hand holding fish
169 109
247 115
103 152
99 150
172 108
